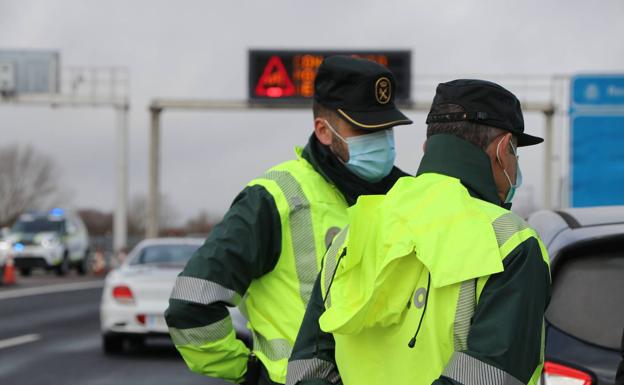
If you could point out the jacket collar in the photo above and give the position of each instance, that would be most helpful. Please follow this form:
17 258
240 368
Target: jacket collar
452 156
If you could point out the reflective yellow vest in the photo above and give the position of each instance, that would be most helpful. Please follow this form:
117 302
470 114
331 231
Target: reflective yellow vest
312 212
428 241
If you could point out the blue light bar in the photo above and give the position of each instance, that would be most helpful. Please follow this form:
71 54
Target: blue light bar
57 212
18 247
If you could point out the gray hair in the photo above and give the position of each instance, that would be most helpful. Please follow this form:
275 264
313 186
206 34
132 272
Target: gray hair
478 134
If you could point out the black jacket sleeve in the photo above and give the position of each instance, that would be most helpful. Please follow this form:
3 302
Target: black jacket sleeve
311 340
506 330
245 245
312 361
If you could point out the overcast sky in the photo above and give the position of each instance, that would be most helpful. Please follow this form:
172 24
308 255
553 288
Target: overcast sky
199 49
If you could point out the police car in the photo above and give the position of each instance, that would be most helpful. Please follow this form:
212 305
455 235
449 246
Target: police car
585 317
54 240
136 294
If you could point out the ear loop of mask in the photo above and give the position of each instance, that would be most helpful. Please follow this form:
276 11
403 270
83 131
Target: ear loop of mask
511 185
334 131
341 138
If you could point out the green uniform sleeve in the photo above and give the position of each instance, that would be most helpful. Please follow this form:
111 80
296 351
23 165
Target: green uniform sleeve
505 341
244 246
312 360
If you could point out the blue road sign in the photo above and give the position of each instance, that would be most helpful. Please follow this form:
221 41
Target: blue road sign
597 91
597 165
597 140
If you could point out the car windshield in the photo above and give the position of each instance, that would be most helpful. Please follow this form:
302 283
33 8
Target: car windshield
164 254
38 225
587 296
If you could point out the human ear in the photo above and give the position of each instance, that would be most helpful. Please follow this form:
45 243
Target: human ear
322 131
502 150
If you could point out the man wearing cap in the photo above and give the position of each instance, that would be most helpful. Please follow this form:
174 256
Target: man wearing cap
436 282
265 255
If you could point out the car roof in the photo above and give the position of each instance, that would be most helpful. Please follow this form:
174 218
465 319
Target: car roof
559 229
170 241
58 213
162 241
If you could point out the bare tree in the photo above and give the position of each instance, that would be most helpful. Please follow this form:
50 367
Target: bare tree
28 180
202 223
98 223
137 214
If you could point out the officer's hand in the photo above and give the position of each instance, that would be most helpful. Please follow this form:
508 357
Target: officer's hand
253 370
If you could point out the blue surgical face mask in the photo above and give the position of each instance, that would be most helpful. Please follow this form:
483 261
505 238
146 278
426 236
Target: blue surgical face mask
512 187
371 156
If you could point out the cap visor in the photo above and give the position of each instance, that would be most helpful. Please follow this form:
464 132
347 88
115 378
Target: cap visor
528 140
375 120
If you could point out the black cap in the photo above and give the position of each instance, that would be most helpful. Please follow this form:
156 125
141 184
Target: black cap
360 91
485 103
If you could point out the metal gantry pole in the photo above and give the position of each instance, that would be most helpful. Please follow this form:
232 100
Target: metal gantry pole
151 229
120 224
548 159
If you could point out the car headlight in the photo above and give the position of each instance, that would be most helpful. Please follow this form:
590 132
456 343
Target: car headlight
50 242
4 245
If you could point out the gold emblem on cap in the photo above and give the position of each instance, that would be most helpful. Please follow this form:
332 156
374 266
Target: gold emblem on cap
383 90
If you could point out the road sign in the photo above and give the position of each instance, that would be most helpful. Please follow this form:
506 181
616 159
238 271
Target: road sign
288 76
275 82
29 72
597 90
597 160
597 140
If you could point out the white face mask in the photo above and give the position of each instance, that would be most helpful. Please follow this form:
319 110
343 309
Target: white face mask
512 186
371 156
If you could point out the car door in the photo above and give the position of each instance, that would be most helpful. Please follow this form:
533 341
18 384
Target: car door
72 239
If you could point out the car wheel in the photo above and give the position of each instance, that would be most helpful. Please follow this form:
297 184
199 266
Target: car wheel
83 265
25 271
112 344
63 267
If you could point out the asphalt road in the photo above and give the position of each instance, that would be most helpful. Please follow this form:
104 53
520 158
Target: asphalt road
54 338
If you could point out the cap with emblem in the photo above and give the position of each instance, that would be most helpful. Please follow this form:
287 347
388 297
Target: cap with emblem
485 103
360 91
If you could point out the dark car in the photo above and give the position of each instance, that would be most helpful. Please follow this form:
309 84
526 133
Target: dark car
585 318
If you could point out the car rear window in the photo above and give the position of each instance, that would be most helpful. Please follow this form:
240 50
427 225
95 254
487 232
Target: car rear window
588 295
165 254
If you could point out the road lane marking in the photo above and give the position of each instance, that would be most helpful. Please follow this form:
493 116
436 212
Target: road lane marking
19 340
50 289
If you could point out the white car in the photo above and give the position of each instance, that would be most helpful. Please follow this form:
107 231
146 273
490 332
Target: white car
56 239
136 294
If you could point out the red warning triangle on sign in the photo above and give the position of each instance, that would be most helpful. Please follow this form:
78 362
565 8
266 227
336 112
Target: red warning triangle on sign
275 81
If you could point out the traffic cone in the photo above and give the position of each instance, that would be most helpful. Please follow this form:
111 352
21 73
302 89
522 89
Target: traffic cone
8 277
98 266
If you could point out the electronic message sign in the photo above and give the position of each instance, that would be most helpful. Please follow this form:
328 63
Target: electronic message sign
288 76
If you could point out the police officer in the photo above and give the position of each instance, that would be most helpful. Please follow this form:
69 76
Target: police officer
437 281
265 255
